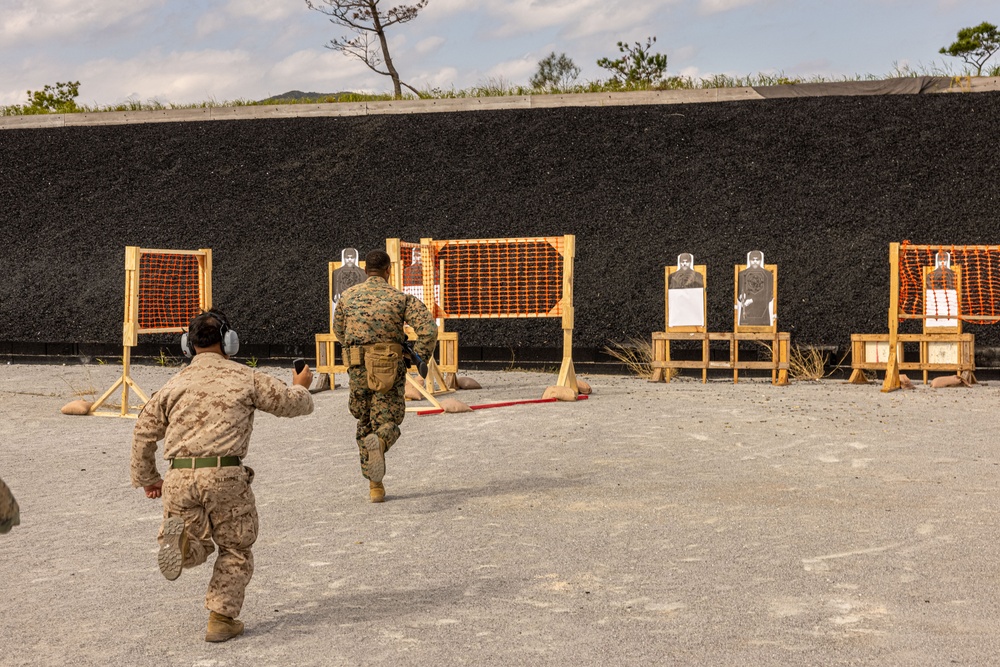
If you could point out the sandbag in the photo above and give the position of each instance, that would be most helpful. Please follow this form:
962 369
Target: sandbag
467 383
77 407
453 405
948 381
583 386
560 393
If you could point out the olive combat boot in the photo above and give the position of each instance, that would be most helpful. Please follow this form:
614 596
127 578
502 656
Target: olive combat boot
376 457
376 491
173 549
221 628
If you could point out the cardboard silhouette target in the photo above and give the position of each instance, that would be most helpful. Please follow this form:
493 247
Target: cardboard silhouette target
686 295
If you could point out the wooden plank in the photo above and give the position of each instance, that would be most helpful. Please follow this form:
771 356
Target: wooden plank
554 241
447 105
137 117
567 371
673 363
160 251
891 382
205 278
760 365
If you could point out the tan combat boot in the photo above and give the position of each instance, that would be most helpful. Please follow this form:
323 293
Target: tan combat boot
173 549
221 628
376 457
376 491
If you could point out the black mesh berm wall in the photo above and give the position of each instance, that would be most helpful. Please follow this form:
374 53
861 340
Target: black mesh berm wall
820 185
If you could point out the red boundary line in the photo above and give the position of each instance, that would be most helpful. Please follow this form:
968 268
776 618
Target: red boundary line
484 406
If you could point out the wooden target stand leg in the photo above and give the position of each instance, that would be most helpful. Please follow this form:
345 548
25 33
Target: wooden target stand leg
419 386
125 382
567 375
435 382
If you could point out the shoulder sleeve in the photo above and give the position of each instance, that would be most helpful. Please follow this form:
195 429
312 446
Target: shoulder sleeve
340 319
274 396
418 317
150 427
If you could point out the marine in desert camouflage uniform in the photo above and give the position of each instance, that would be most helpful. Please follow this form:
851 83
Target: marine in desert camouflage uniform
10 513
369 313
204 415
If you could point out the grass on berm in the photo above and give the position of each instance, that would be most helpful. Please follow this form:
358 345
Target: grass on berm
498 86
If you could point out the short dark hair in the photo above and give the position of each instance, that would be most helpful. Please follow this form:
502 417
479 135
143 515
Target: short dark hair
205 329
377 260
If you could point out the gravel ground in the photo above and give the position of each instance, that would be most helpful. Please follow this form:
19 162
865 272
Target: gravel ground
688 524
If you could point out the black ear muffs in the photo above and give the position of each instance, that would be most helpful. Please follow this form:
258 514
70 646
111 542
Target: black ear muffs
230 339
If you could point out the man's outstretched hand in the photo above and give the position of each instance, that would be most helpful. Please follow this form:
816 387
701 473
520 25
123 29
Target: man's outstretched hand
303 379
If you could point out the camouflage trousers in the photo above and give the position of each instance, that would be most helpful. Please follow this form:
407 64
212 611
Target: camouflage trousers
218 508
10 513
376 413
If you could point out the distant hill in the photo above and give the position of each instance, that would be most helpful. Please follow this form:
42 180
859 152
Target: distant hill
296 95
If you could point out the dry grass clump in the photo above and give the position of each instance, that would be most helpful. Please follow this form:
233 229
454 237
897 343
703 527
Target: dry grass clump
636 354
804 362
807 363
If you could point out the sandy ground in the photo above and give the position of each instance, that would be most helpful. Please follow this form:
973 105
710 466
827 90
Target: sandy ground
687 524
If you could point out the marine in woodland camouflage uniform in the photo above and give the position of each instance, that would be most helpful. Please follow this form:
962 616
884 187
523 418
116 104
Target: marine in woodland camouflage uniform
10 513
206 411
374 312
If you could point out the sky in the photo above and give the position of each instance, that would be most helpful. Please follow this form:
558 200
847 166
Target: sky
193 51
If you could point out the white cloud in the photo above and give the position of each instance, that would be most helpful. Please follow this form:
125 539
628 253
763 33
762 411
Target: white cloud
445 7
429 45
519 69
321 71
269 10
35 20
443 78
576 18
210 23
682 54
178 78
322 64
717 6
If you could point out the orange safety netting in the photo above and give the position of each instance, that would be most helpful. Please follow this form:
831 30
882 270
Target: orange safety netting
500 277
169 295
979 278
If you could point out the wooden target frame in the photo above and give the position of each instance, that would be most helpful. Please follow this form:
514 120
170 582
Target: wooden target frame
164 290
523 277
778 341
909 268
